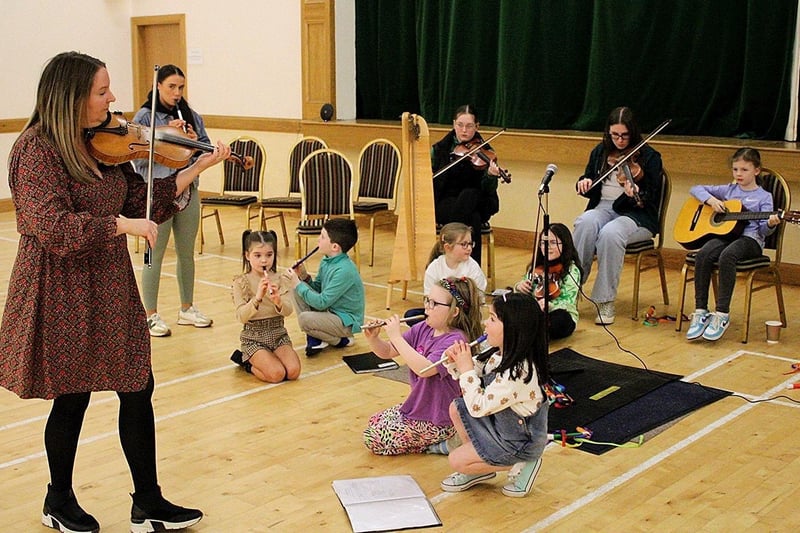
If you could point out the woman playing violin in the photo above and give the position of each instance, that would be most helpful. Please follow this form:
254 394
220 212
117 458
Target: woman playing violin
563 281
620 211
466 192
73 320
172 109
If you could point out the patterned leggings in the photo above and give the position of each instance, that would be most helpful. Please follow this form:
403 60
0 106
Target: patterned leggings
391 433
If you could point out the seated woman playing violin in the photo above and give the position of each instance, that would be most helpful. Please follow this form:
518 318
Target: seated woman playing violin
563 280
467 191
622 208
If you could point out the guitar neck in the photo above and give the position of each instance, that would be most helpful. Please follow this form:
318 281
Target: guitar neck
749 215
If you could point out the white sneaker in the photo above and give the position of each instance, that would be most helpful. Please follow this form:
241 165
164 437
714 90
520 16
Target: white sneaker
193 317
606 314
157 327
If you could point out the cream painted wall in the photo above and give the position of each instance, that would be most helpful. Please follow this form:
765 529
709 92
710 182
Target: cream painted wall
250 54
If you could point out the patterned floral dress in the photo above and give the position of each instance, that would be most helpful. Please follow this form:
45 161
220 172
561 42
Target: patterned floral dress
73 320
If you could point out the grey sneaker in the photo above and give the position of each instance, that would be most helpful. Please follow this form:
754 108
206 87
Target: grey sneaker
193 317
157 327
606 314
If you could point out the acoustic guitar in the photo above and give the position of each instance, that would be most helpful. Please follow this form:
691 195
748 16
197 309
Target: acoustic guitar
698 223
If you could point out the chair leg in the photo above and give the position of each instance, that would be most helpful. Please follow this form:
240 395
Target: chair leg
283 228
219 227
662 272
490 262
682 299
779 294
372 240
748 296
298 250
357 253
637 272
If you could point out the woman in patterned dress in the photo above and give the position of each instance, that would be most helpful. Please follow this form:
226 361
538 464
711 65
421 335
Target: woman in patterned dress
73 322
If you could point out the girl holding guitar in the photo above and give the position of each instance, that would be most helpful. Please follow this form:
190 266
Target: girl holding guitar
746 166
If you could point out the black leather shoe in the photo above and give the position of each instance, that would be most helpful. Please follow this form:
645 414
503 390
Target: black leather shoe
62 512
161 515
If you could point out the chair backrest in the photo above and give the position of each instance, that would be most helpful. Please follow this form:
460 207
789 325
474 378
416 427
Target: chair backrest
776 185
379 171
238 180
326 185
663 204
299 152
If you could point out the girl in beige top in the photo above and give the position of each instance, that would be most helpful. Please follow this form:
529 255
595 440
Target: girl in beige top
261 306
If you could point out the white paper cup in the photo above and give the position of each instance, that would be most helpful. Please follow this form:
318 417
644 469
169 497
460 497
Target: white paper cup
773 331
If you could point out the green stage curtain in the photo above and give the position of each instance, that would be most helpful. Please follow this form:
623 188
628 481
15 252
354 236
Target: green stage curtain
717 67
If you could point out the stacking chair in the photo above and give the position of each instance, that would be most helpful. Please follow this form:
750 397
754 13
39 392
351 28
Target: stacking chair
378 173
326 191
290 202
241 188
651 248
762 272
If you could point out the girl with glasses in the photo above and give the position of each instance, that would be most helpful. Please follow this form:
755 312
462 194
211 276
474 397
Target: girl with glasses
564 281
422 423
450 257
464 193
617 214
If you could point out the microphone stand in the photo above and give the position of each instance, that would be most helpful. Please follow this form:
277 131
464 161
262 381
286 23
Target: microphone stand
544 206
148 256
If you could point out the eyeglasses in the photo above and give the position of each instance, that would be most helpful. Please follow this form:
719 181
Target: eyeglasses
465 244
462 126
431 304
620 136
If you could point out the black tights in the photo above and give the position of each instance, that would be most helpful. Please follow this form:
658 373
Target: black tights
137 434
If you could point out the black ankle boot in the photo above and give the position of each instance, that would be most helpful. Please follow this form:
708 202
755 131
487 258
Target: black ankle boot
62 512
152 512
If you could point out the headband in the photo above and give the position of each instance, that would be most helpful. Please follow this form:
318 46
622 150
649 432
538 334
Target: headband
451 288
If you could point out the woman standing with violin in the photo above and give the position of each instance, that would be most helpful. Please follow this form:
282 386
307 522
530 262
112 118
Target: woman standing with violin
73 322
622 208
467 191
563 281
173 110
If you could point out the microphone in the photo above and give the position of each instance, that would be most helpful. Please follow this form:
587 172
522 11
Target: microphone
548 175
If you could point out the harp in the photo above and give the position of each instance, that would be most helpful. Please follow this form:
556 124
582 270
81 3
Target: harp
416 217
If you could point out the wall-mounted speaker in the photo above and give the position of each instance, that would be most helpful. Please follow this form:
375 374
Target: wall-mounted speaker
326 112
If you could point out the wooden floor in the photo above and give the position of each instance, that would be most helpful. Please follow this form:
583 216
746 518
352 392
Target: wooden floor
259 457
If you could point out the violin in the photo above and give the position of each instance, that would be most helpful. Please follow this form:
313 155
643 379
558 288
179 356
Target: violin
117 141
628 170
479 156
553 284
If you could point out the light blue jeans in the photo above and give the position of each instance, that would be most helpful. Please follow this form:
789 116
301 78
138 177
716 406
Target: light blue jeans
603 232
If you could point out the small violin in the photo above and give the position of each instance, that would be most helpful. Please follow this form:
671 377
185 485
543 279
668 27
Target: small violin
554 282
118 141
479 156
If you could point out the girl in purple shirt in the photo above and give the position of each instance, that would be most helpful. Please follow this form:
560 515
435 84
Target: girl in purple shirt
422 423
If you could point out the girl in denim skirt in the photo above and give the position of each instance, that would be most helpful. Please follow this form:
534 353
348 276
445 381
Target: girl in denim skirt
502 417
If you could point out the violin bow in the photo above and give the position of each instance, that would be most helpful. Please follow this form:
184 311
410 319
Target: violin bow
148 256
466 156
630 153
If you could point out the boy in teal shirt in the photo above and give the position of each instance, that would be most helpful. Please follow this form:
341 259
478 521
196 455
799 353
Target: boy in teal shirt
330 308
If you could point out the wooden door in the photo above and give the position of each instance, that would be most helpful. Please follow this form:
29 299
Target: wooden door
157 40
